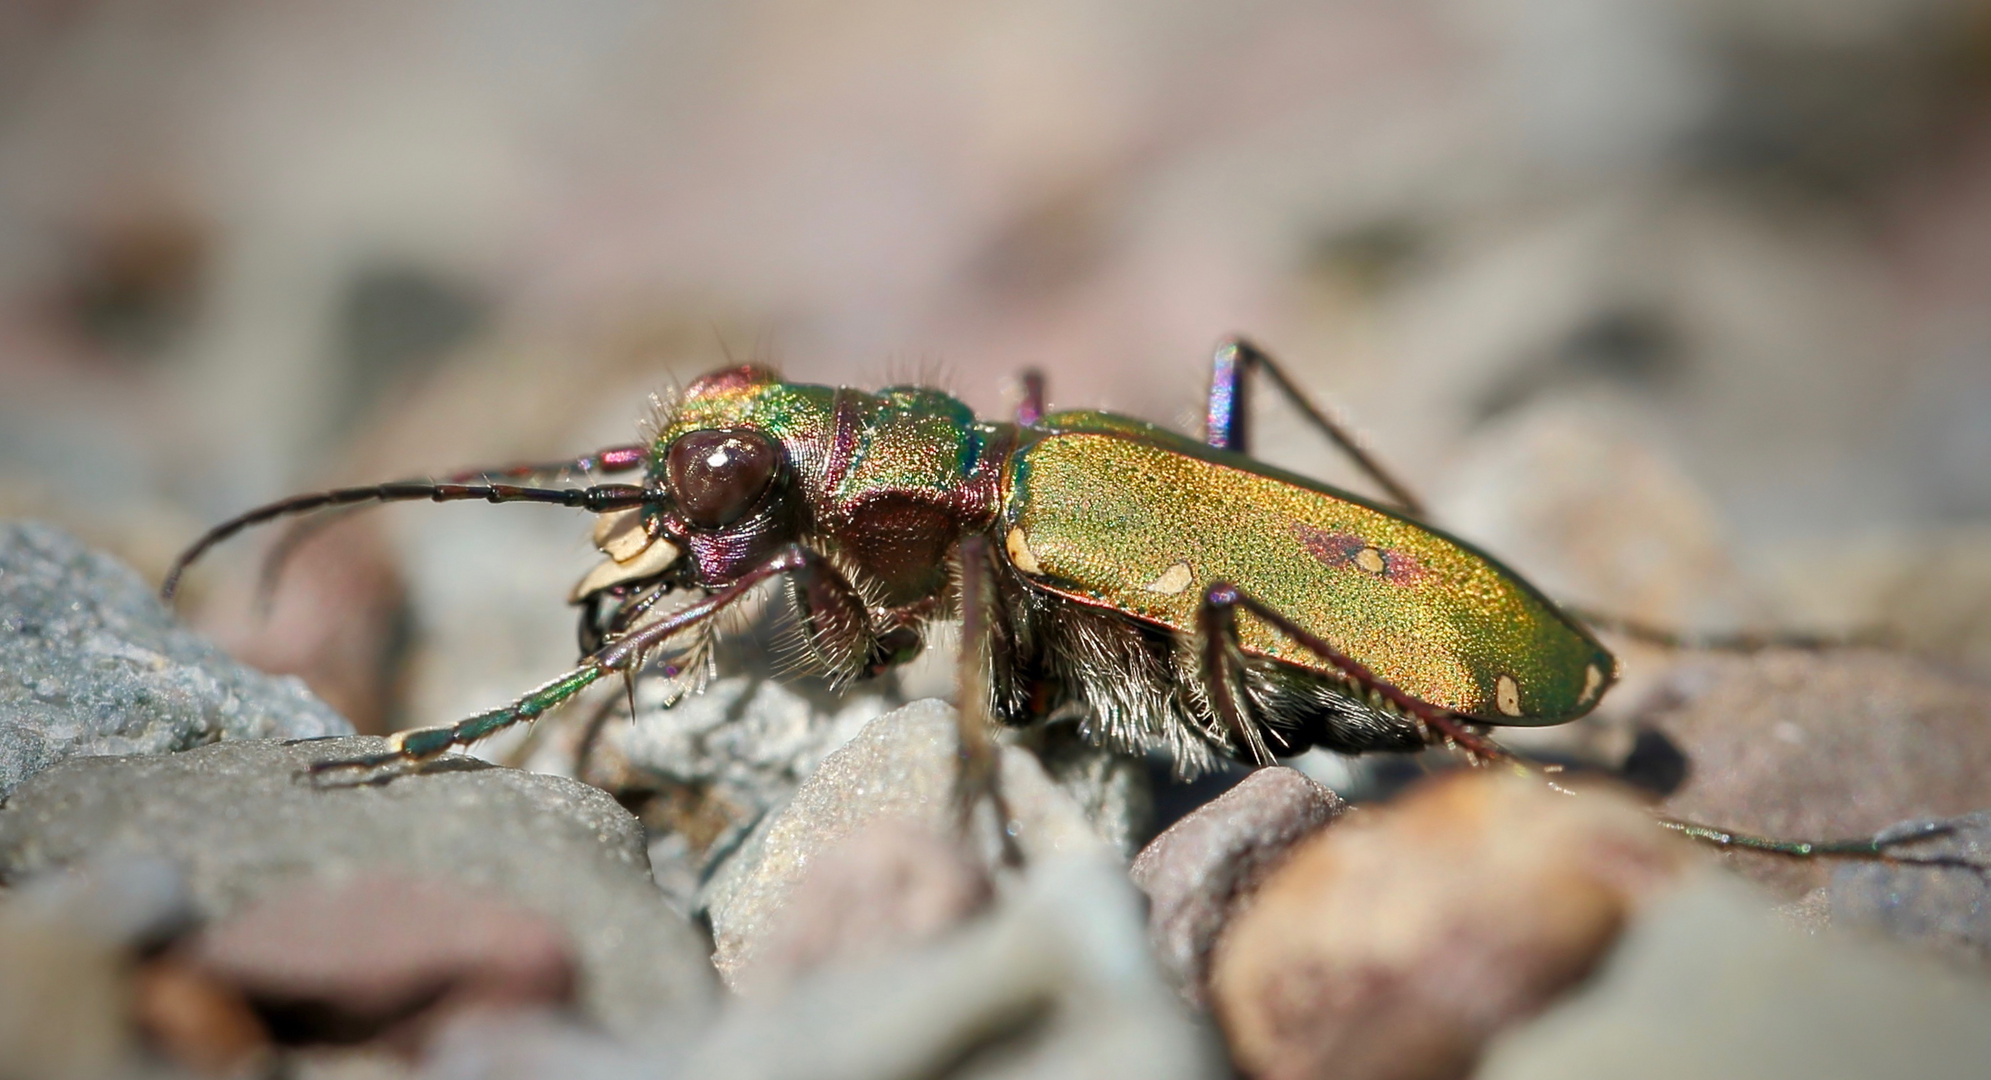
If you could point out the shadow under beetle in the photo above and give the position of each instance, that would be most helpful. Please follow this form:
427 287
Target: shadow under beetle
1166 592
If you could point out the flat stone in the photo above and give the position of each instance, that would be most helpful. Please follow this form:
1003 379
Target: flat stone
239 821
1196 870
1821 745
1396 942
92 664
1707 984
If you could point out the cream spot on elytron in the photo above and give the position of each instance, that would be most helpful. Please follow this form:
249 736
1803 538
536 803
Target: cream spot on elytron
1507 696
1020 554
1172 580
1592 679
1371 560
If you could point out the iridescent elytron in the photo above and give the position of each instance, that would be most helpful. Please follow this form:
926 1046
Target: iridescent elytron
1163 591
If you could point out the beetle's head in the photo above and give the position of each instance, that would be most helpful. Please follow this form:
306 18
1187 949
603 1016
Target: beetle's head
725 492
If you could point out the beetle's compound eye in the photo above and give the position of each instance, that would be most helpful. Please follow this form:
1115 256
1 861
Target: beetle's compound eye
717 476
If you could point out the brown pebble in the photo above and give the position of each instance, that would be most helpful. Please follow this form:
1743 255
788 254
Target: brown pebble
1194 871
383 957
1395 943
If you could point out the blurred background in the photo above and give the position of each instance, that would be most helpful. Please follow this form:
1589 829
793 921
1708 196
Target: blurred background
1681 306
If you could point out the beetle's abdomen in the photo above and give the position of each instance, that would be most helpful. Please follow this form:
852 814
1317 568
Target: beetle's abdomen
1143 526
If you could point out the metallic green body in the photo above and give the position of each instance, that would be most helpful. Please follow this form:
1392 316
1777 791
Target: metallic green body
1120 514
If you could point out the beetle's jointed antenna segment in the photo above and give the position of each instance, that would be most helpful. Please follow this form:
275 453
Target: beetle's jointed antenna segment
606 461
597 499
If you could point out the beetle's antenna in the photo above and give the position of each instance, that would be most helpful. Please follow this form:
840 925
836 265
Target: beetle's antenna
597 499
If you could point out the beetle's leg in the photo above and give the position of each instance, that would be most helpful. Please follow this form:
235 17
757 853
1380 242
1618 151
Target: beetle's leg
1227 425
1218 623
598 498
980 775
1031 409
624 654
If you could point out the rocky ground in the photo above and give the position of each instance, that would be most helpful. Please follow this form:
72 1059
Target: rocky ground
181 899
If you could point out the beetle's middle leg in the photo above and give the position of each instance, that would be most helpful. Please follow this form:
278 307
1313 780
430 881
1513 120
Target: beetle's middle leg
979 777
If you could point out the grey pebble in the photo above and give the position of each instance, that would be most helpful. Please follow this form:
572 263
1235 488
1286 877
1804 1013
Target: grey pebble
237 820
91 663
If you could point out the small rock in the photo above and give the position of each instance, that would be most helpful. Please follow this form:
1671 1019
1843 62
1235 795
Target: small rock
1395 943
1821 745
382 955
1056 983
239 821
1944 908
889 886
91 664
900 767
1199 867
1706 984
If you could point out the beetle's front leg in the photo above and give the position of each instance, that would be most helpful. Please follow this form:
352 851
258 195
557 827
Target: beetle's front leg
621 656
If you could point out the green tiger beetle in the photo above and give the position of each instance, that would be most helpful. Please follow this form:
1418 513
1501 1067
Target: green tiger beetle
1171 593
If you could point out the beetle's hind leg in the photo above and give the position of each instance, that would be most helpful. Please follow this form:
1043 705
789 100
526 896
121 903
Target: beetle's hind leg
1217 630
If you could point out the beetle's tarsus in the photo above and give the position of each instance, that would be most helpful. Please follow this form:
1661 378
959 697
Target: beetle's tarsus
1885 844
